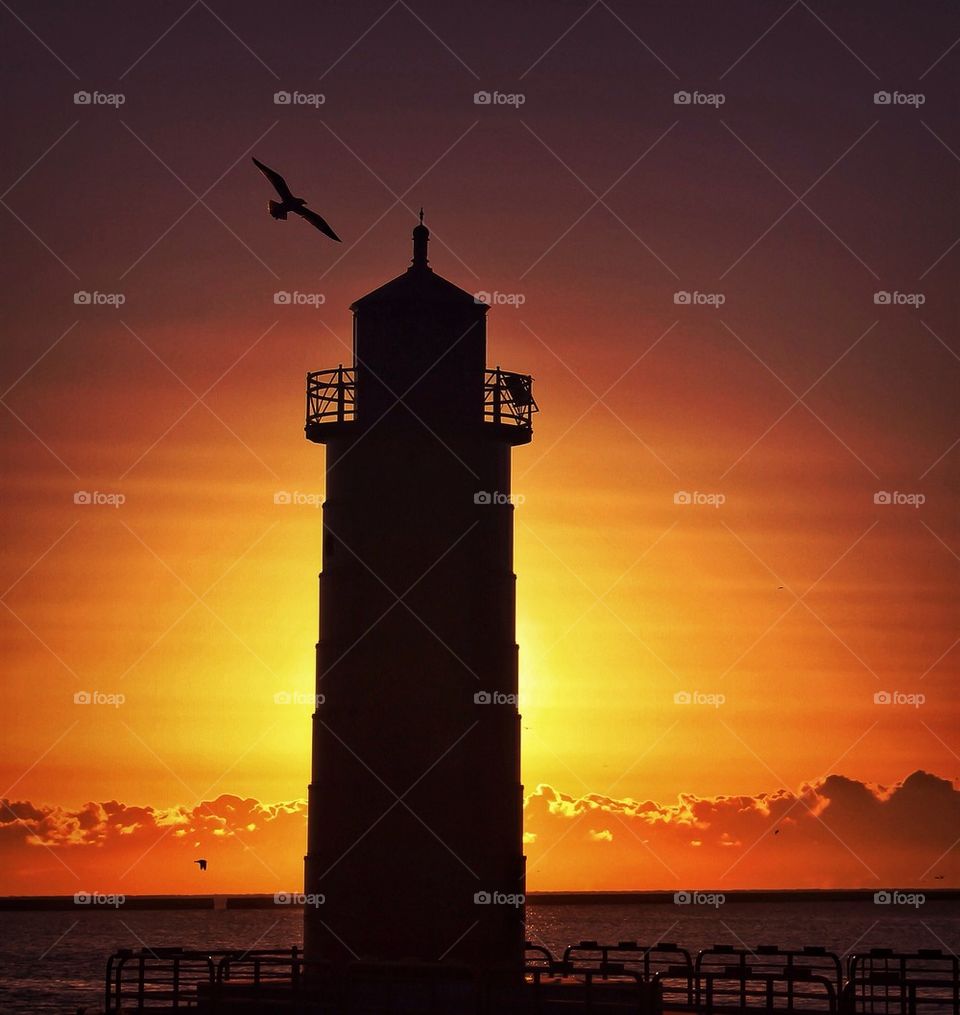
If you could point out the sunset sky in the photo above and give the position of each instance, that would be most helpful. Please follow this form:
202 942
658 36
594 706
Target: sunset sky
693 675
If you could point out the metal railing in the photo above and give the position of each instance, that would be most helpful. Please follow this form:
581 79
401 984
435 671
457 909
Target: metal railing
508 398
331 396
156 979
671 964
590 977
537 956
886 982
262 968
768 977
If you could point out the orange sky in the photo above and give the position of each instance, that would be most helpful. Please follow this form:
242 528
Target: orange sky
797 599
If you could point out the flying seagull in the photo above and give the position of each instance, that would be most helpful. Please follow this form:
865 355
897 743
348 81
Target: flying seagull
289 203
202 864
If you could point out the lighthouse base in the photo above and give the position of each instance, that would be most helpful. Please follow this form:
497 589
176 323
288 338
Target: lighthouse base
424 991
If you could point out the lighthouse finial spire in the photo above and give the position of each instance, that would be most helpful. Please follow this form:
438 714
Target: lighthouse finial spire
421 235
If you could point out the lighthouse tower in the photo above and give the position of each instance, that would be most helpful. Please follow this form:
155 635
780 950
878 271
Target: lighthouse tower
415 803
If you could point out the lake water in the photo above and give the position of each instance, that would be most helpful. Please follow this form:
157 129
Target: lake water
54 962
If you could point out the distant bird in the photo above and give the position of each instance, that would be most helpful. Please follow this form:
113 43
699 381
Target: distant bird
776 831
202 864
937 877
297 205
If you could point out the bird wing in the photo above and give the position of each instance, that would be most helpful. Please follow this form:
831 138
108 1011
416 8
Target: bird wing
279 183
314 219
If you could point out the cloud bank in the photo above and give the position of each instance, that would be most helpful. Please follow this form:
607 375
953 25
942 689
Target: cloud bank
834 832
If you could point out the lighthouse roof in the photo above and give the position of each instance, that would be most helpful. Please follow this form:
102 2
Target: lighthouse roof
419 283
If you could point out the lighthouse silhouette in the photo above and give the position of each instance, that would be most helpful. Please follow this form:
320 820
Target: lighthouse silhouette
415 805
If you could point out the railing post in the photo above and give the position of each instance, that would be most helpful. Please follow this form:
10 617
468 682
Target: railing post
340 393
108 1006
496 394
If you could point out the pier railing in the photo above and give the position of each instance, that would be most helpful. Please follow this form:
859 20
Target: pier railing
767 978
672 965
886 982
156 979
588 977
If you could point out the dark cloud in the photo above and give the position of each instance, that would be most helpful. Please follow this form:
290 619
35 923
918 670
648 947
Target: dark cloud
835 831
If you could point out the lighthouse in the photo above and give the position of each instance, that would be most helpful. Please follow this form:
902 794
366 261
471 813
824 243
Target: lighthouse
414 848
